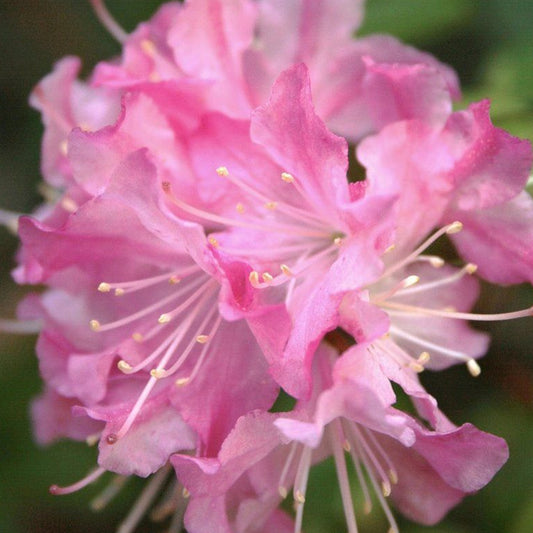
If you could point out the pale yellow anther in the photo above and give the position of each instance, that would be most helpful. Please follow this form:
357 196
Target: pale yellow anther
254 278
436 261
367 507
337 241
286 270
423 358
158 373
386 488
95 325
267 278
174 280
470 268
68 204
148 47
222 171
409 281
212 241
449 309
104 287
299 497
287 178
346 446
416 366
454 227
119 292
473 367
181 382
164 318
389 248
63 147
202 339
137 337
123 366
93 439
240 208
393 476
282 491
271 205
185 493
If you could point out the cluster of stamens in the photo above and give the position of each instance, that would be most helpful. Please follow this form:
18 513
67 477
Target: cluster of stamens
390 300
173 345
366 454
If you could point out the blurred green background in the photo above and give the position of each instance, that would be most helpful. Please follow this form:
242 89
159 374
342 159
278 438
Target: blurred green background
490 44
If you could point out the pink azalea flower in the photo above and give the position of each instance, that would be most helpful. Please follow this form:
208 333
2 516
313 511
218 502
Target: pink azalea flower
424 472
240 47
320 242
173 323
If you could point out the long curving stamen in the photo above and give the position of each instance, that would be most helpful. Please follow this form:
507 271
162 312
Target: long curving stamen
401 286
282 486
300 486
194 340
9 219
403 358
471 363
136 285
290 273
87 480
454 227
377 489
369 453
218 219
469 269
96 326
109 23
443 313
141 505
293 211
114 487
392 473
342 477
21 327
202 356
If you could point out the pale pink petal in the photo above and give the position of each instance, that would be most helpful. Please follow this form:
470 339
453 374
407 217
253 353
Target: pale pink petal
300 143
53 419
492 166
500 240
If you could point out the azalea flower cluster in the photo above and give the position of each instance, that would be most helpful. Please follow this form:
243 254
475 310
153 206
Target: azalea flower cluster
206 244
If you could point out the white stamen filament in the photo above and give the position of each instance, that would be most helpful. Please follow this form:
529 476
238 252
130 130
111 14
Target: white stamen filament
282 487
469 268
203 353
113 488
137 285
295 271
218 219
443 313
295 212
144 501
434 347
20 327
192 343
454 227
377 489
9 219
87 480
300 486
342 477
109 23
